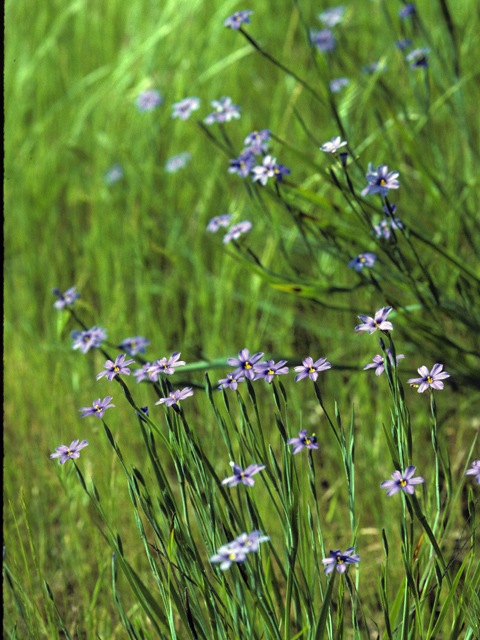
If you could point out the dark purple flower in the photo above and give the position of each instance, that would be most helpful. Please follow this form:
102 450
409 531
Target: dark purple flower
184 108
112 369
408 10
324 39
134 345
331 17
337 84
303 441
244 476
148 100
68 297
113 174
430 379
474 471
65 453
99 408
380 180
418 58
362 260
224 111
379 322
334 145
311 368
405 482
168 366
175 397
143 411
85 340
231 381
258 136
236 231
219 221
148 370
236 20
403 44
379 363
177 162
237 550
269 169
340 560
269 369
243 164
245 363
389 211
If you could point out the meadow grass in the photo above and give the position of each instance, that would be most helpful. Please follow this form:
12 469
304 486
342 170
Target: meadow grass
140 256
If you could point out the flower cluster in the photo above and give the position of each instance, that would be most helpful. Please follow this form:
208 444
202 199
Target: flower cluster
382 229
337 83
418 58
256 144
225 110
235 230
159 366
85 340
237 550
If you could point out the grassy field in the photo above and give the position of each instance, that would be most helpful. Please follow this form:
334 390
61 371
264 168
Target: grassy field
140 256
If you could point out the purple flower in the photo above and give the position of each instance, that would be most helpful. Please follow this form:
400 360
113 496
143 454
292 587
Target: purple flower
258 136
251 541
184 108
175 397
237 550
432 379
338 83
231 381
324 39
236 231
380 181
148 100
68 297
148 370
99 408
303 441
269 369
177 162
331 17
84 340
224 111
383 227
113 174
334 145
408 10
474 471
362 260
143 411
269 169
168 366
340 560
379 363
311 368
219 221
134 345
114 368
403 44
405 482
245 363
418 58
243 164
386 210
244 476
236 20
379 322
65 453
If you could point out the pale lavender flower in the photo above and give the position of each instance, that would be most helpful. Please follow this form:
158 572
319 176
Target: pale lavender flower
67 298
236 231
219 221
236 20
134 345
112 369
340 560
334 145
331 17
98 409
175 397
403 44
403 482
406 11
224 111
362 260
237 550
311 368
243 164
383 227
418 58
168 366
380 180
258 136
430 379
148 370
269 169
303 441
379 363
474 471
113 174
184 108
251 541
148 100
177 162
242 475
231 381
85 340
245 363
337 84
268 370
324 39
66 453
379 322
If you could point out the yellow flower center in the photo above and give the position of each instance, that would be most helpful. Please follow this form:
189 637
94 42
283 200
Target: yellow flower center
311 369
403 483
248 365
382 182
429 379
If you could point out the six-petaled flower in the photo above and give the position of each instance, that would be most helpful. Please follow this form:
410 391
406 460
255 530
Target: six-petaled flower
148 370
379 363
303 441
311 368
380 180
236 231
134 345
224 111
67 298
112 369
269 169
242 475
98 409
245 363
168 366
379 322
85 340
362 260
340 560
403 482
269 369
66 453
184 108
474 471
430 379
333 145
175 397
148 100
236 20
231 381
219 221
